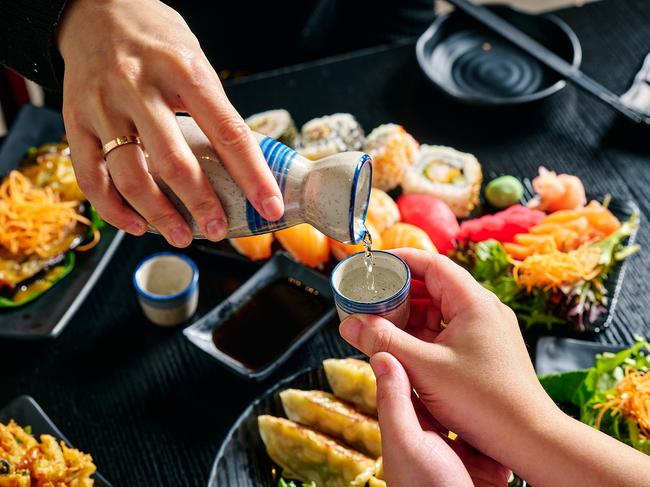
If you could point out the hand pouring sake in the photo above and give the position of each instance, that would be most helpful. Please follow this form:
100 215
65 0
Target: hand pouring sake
331 194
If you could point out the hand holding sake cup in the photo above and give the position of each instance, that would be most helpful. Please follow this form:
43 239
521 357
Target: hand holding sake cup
377 283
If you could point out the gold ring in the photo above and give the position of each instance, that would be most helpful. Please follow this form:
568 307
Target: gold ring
118 141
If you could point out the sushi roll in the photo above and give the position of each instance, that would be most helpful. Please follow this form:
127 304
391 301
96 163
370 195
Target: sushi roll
324 136
447 174
393 151
277 124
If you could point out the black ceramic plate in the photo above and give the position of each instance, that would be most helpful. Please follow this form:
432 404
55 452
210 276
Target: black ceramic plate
474 65
279 266
567 354
242 460
46 316
26 412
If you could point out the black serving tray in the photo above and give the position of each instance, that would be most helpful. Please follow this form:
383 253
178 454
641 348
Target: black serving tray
47 316
25 411
556 354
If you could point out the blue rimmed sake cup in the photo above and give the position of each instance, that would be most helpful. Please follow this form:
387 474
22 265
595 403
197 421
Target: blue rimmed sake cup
394 308
167 285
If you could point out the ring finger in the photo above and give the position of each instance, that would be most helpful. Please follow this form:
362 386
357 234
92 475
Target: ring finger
128 169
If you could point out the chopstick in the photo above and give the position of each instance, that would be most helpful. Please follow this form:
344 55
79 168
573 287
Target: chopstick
547 57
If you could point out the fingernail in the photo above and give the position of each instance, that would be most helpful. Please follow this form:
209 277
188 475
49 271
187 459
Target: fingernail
180 237
273 207
215 229
136 228
350 329
379 366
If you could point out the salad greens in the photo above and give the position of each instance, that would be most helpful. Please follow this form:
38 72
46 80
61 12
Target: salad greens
488 263
584 389
291 483
580 304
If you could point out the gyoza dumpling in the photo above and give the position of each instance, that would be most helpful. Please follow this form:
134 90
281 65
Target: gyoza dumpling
353 381
309 456
323 412
377 480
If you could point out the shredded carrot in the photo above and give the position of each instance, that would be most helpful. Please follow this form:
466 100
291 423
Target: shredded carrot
91 244
32 218
564 230
556 269
631 398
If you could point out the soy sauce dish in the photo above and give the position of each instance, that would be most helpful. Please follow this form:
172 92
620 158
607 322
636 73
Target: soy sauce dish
260 325
474 65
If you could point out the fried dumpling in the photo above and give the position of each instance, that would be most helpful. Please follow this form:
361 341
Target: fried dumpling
377 480
323 412
353 381
309 456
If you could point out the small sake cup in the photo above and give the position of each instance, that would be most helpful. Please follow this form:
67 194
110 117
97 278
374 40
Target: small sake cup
167 285
395 308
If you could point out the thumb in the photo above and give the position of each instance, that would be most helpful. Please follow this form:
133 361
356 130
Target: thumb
397 417
372 334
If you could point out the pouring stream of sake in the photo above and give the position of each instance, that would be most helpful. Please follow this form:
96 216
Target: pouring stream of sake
368 261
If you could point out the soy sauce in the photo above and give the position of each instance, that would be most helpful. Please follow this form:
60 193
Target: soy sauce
265 326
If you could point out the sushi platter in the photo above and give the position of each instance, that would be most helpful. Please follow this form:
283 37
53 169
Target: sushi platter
551 253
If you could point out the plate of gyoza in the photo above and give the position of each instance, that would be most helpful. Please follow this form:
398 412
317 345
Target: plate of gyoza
317 428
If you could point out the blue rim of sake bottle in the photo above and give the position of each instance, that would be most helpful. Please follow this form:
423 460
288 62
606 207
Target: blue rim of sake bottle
357 234
383 306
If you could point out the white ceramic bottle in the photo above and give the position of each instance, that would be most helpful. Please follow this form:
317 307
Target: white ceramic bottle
330 194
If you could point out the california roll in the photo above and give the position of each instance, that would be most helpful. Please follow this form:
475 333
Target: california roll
447 174
277 124
324 136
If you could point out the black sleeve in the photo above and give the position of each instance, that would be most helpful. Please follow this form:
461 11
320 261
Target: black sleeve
27 39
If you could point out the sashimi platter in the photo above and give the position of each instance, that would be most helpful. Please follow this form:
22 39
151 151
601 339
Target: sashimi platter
547 249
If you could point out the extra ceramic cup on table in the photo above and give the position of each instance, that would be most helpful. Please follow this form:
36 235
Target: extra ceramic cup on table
392 298
167 285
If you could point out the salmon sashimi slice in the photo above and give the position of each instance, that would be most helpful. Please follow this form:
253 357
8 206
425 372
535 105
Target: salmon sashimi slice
406 235
305 244
255 247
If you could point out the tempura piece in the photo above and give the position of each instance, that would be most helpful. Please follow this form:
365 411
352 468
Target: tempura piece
393 151
353 381
309 456
323 412
24 462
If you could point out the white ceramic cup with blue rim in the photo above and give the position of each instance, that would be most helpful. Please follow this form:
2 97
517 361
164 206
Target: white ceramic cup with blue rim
167 285
395 308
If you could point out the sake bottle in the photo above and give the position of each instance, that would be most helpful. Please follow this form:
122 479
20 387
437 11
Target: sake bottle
330 194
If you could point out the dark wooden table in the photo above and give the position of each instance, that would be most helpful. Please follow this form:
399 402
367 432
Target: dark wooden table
153 410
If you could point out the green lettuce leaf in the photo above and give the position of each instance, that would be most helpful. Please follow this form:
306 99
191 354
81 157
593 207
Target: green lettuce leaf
491 260
587 388
563 386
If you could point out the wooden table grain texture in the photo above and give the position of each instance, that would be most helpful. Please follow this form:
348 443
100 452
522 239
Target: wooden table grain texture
153 410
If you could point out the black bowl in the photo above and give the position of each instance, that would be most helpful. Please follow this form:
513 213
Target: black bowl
474 65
